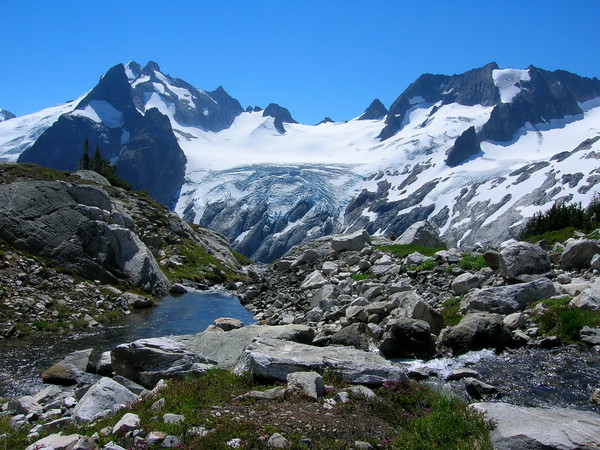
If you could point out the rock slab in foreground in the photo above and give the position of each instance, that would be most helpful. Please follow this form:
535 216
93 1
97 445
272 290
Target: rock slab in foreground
103 398
274 359
541 428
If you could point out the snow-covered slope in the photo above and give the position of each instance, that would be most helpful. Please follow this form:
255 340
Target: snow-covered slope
475 154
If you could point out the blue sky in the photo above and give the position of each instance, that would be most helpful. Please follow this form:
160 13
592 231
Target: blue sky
317 58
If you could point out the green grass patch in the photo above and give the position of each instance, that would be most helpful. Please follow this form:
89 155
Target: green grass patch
564 321
14 438
470 262
553 236
244 261
360 276
428 419
427 265
199 265
407 249
450 312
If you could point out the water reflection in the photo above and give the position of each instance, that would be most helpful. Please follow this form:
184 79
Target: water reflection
24 359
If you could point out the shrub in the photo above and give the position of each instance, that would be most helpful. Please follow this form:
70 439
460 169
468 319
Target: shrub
360 276
565 321
470 262
407 249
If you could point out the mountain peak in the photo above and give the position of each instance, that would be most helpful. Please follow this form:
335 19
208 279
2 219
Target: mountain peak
6 115
151 67
376 110
133 70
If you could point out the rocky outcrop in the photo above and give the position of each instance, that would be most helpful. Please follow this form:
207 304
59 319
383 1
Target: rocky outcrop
523 258
465 146
421 233
376 110
103 398
280 114
71 225
477 331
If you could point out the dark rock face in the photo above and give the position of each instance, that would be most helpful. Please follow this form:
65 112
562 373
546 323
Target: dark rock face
153 160
6 115
476 332
470 88
376 110
408 338
466 145
547 96
326 120
280 114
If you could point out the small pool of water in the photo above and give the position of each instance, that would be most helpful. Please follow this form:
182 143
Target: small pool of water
23 360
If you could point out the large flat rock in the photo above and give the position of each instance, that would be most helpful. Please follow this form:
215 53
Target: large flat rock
520 428
274 359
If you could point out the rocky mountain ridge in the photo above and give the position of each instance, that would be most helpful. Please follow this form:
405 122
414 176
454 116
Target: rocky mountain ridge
475 154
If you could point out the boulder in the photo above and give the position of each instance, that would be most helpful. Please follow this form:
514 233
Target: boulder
314 281
411 305
421 233
508 299
228 323
135 301
128 422
55 442
103 398
589 300
465 282
492 259
225 348
519 427
523 258
408 338
274 359
70 370
590 336
578 254
478 331
309 384
477 388
354 335
146 361
416 259
355 241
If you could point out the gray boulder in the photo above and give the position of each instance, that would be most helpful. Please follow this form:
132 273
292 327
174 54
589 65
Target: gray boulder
465 282
578 254
225 348
508 299
415 259
523 258
520 427
590 336
309 384
274 359
354 335
55 442
421 233
70 370
478 331
146 361
411 305
103 398
355 241
408 338
589 300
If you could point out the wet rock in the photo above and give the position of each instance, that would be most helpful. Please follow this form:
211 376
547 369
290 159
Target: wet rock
478 331
407 338
478 389
578 254
523 258
177 288
68 371
459 374
520 427
135 301
508 299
